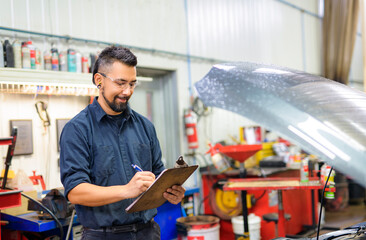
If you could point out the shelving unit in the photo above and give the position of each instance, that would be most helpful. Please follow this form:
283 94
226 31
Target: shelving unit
42 82
31 81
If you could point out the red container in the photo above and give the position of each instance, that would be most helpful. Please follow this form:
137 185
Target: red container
239 152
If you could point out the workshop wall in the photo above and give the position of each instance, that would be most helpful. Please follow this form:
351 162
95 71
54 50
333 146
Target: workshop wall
258 31
45 155
267 31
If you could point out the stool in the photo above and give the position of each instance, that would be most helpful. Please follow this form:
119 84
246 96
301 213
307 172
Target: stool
273 217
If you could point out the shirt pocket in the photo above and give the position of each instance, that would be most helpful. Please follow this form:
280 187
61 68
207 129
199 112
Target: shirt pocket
143 154
104 165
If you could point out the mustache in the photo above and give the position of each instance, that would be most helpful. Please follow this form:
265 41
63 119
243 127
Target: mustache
123 98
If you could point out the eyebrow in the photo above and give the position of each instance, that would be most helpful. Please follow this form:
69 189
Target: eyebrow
121 79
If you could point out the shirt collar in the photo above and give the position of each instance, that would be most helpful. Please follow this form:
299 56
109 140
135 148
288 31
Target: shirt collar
100 113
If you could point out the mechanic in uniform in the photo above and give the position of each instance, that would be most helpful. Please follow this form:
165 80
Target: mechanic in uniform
98 147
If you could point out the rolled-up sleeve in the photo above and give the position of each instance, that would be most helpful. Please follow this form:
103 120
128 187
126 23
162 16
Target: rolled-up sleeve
74 157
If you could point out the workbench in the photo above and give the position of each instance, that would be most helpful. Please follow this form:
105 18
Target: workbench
279 184
30 222
299 203
167 214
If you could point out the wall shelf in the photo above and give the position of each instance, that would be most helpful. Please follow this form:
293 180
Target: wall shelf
31 81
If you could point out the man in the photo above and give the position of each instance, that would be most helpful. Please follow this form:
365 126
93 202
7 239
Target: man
98 147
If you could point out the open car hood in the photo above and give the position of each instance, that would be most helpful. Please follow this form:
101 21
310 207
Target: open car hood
321 116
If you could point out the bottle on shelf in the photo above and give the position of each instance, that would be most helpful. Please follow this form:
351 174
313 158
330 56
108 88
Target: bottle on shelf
39 59
1 55
85 64
32 54
304 170
79 65
47 60
8 54
55 59
63 61
93 58
26 61
17 50
71 60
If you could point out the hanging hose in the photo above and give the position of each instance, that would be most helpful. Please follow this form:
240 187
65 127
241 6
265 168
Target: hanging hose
221 208
41 108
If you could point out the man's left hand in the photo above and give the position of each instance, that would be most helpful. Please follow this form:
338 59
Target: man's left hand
175 194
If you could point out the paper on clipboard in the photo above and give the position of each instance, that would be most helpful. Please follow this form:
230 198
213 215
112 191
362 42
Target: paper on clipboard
153 196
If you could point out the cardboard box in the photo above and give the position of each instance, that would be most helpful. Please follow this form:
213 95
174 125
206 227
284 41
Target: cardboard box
24 207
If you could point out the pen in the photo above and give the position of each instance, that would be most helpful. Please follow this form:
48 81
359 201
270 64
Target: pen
137 168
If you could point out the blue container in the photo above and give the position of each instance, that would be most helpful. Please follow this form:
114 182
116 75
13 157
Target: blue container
166 218
168 214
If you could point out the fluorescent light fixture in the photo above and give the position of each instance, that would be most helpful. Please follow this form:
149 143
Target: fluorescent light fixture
144 79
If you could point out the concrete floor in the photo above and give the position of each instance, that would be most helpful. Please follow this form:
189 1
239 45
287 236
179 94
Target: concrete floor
350 215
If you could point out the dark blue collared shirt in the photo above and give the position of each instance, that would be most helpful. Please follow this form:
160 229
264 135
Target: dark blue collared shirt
94 149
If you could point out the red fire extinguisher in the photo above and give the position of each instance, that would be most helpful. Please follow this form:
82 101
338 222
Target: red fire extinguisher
190 123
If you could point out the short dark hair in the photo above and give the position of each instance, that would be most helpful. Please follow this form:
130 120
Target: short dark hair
114 53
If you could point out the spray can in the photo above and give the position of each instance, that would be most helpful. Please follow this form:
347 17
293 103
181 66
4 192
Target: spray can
85 64
219 161
32 54
78 62
26 62
1 55
71 60
17 50
8 54
38 59
47 60
330 188
63 61
54 59
304 170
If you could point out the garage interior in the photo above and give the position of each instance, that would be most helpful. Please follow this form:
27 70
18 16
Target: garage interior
265 97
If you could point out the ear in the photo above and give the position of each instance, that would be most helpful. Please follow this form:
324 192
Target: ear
97 79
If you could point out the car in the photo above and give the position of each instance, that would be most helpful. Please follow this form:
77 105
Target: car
322 116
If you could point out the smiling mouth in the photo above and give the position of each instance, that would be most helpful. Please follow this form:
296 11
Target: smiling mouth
122 99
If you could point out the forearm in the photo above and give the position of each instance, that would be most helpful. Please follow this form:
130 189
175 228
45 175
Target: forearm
93 196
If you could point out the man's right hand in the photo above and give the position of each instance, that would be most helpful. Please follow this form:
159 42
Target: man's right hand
139 183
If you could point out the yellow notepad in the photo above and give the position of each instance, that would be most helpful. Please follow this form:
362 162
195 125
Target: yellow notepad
153 196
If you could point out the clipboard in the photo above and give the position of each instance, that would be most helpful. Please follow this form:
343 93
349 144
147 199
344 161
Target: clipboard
153 196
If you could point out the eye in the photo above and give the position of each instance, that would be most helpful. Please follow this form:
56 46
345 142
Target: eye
120 82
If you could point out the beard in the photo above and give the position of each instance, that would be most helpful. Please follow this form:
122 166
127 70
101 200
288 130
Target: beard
116 106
